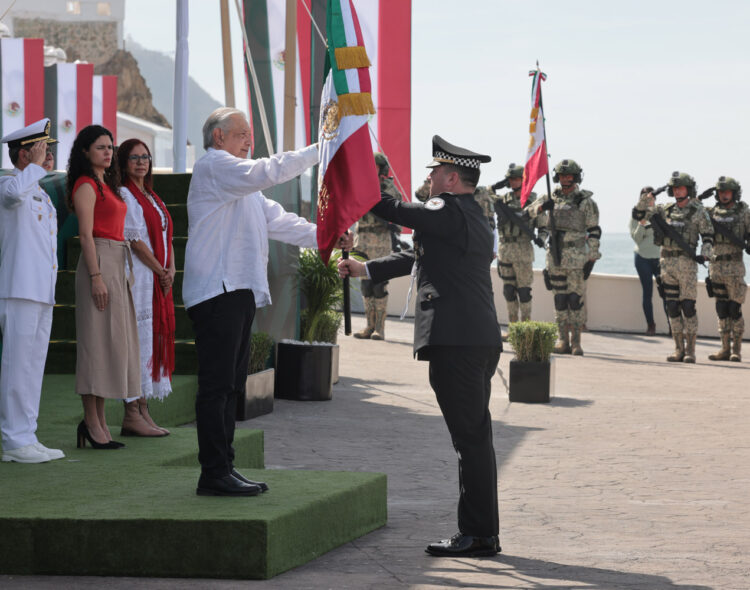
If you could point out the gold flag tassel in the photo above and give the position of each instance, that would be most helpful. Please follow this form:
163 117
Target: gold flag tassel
351 57
356 103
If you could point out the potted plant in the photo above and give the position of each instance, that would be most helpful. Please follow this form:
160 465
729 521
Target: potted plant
531 374
258 398
307 369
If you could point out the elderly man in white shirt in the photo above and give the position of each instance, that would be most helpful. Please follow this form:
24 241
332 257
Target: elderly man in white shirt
28 273
230 223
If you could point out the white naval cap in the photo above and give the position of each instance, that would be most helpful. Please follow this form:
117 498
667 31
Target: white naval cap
38 131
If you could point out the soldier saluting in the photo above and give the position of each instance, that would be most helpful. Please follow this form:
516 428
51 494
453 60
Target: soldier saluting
515 253
731 220
676 229
573 249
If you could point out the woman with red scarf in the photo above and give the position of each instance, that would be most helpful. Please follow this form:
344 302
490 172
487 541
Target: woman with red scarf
148 227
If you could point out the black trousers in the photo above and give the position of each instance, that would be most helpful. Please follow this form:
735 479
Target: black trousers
460 377
222 341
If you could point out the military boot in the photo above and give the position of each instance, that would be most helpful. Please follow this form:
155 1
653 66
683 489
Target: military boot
575 341
381 310
736 355
689 348
723 354
563 343
679 348
367 331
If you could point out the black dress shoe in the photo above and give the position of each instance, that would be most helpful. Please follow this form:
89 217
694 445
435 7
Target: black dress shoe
261 484
460 545
225 486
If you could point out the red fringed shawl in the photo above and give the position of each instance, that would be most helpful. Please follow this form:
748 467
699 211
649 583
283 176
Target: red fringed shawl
162 361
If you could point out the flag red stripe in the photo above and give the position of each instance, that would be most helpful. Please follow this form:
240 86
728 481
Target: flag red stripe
33 63
109 104
394 87
353 189
304 40
364 80
84 95
357 28
536 167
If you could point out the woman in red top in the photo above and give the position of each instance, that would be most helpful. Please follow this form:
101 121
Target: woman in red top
107 354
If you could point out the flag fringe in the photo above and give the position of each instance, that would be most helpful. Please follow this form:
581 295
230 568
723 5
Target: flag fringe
351 57
356 103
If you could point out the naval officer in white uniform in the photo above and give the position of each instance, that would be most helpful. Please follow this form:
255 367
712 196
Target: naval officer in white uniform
28 272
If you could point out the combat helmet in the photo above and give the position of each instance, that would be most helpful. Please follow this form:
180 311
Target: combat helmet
381 161
568 167
681 179
514 171
727 183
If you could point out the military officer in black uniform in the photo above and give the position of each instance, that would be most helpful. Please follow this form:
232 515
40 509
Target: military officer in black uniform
455 328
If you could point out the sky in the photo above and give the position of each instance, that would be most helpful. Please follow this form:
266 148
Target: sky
634 89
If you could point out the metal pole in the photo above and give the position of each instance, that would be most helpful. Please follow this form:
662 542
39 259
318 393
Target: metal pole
226 48
179 125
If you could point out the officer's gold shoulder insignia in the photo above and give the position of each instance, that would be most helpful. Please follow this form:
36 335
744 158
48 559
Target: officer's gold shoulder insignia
434 204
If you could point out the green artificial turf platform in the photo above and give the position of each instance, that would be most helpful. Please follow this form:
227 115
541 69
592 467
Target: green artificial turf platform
134 511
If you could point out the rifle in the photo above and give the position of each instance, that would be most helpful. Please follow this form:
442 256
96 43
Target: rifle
554 236
667 230
719 228
511 216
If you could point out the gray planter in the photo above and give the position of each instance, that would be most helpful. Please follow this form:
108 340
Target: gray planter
258 399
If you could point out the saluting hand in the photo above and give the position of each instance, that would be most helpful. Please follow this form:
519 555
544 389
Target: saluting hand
38 153
99 292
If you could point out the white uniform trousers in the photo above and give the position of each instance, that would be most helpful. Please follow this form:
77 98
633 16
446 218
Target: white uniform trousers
25 327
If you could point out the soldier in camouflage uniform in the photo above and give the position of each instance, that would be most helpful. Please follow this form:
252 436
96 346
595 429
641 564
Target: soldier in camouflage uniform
423 192
679 269
726 270
515 253
577 234
483 196
373 238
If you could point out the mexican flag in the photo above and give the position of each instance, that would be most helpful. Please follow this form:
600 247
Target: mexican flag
536 157
21 86
348 183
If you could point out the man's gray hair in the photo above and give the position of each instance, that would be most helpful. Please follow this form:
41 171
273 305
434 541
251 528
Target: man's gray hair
219 118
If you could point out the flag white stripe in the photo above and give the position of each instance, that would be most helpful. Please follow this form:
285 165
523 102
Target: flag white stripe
368 12
97 101
67 92
13 90
346 13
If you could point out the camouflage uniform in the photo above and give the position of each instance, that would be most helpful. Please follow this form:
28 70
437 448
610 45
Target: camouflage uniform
515 252
373 238
727 270
679 272
483 196
576 218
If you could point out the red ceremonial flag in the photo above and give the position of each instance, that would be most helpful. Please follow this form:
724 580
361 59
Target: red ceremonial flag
536 157
348 183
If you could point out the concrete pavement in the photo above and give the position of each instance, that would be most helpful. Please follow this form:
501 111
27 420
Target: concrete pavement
636 475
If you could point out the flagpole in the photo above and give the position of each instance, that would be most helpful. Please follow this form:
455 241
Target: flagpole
347 300
555 251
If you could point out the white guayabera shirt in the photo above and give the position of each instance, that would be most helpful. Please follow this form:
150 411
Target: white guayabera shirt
231 221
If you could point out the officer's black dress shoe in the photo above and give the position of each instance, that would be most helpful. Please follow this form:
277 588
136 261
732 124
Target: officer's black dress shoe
460 545
225 486
261 484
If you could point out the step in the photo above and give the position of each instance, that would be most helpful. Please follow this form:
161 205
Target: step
74 251
172 188
61 357
98 505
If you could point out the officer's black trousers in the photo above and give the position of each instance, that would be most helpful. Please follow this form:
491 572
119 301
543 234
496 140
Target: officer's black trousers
460 377
222 342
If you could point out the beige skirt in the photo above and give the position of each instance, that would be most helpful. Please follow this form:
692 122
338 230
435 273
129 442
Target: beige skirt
108 355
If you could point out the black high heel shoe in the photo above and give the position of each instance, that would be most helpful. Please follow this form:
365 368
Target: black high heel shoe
83 436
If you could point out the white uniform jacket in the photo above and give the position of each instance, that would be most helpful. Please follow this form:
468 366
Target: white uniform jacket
28 237
230 222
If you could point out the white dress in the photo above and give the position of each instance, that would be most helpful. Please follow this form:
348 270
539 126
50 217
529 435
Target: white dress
143 293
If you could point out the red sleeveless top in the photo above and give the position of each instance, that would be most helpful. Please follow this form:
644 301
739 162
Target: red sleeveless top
109 212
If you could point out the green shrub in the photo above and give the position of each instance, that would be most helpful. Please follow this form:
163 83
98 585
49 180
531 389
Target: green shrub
323 291
532 341
261 345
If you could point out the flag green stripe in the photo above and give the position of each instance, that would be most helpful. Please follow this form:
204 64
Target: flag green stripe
336 38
